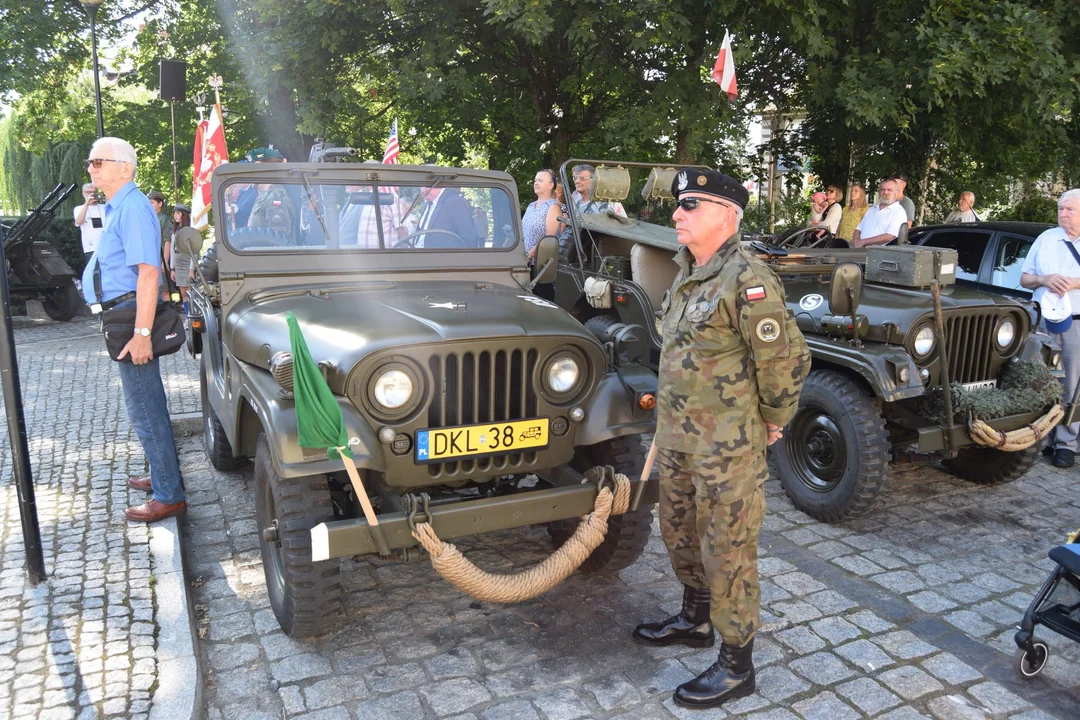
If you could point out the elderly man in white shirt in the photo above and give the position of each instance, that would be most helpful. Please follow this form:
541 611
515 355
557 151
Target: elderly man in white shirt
882 222
965 210
1053 266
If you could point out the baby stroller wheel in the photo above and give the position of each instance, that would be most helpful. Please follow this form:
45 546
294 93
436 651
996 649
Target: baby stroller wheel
1030 663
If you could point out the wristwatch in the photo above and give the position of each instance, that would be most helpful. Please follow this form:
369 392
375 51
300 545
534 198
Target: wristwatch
145 332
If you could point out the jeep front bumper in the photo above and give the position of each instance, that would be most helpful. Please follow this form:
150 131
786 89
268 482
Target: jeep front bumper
932 438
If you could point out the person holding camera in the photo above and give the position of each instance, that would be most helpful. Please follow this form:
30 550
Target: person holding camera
125 272
90 218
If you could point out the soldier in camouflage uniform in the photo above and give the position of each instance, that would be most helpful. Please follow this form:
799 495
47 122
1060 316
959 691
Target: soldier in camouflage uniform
731 368
273 209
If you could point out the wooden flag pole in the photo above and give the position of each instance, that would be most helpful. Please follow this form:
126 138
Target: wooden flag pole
365 501
646 470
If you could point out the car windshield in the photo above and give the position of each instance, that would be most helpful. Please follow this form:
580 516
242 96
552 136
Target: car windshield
284 217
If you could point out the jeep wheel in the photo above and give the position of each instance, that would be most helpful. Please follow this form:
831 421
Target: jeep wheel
305 595
834 456
217 446
627 534
986 466
62 304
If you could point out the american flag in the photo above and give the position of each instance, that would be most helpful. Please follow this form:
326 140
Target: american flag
390 156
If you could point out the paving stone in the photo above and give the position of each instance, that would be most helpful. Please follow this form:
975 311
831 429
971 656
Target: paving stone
334 691
514 710
798 583
903 713
930 601
965 592
870 622
904 644
456 663
825 706
394 707
835 629
768 566
899 581
337 713
909 682
821 668
970 622
453 696
561 704
830 602
956 707
996 698
867 695
994 583
950 669
300 667
796 612
615 691
777 683
292 700
800 639
773 714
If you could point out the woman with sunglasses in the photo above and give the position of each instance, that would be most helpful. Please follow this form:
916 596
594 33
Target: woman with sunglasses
541 218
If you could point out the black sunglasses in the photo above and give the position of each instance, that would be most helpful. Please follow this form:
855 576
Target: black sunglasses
96 162
693 203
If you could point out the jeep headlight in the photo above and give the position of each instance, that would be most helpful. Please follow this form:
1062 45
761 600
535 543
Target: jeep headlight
562 374
924 342
393 389
1006 333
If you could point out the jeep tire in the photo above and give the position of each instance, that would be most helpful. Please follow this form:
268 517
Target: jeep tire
217 446
62 304
304 595
834 456
627 534
987 466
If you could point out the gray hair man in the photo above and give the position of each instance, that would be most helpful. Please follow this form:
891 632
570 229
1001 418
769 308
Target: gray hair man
1052 268
965 210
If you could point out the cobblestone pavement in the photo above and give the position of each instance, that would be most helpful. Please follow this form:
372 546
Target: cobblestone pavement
83 644
906 613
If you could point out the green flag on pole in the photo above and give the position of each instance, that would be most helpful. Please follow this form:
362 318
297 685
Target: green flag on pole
319 422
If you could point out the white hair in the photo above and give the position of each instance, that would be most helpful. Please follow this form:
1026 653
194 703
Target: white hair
87 186
121 150
1069 195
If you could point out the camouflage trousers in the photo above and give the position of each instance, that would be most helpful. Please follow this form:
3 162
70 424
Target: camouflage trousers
711 509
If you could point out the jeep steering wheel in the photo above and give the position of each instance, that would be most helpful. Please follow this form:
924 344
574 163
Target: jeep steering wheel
804 238
409 240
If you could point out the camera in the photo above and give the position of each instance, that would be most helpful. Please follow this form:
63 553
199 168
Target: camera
99 196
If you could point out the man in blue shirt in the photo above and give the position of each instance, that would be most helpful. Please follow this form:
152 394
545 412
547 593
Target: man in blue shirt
128 257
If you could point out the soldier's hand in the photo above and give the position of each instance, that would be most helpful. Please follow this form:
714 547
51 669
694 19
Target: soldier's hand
775 432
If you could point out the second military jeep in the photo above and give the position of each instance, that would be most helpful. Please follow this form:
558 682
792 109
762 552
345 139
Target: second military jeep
877 354
472 403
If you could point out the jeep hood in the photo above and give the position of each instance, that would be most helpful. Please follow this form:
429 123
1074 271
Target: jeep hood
344 324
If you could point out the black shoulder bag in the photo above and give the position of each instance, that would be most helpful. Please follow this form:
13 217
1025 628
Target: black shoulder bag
118 324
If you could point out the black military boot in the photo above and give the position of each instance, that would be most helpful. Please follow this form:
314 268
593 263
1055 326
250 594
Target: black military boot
730 677
690 627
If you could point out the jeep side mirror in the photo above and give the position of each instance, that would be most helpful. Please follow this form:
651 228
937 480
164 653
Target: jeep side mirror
846 288
189 241
547 260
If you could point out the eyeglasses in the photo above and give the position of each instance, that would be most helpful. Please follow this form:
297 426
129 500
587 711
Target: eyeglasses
96 162
582 178
691 204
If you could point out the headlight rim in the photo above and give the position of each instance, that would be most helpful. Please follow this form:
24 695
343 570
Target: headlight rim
379 410
1004 349
923 356
576 389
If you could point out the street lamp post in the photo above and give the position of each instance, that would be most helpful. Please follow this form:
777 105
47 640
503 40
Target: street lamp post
90 7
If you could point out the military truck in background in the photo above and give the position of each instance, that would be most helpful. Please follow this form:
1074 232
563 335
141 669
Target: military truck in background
36 270
878 354
474 404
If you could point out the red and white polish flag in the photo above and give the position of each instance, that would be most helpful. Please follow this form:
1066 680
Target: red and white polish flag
723 72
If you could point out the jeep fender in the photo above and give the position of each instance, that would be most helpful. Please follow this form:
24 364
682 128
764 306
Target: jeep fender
277 416
878 365
612 411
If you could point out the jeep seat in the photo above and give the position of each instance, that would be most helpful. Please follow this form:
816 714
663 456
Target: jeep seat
653 270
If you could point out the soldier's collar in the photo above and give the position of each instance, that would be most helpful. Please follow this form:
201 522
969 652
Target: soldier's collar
685 259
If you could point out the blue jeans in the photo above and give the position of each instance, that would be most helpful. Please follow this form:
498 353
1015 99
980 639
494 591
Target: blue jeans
144 396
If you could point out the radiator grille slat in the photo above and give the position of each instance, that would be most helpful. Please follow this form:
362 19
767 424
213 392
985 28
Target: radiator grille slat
973 355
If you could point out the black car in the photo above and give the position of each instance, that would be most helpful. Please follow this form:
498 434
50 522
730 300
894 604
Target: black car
990 254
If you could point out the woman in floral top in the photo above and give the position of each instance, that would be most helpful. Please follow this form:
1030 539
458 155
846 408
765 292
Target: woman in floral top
541 218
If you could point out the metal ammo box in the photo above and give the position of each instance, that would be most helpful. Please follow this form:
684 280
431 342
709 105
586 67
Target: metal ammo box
910 266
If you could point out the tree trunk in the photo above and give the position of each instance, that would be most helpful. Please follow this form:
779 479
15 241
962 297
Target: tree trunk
280 122
682 146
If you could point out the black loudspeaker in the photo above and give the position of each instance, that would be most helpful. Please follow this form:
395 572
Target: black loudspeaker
173 79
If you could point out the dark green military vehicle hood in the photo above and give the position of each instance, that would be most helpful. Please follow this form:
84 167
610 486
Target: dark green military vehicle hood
344 324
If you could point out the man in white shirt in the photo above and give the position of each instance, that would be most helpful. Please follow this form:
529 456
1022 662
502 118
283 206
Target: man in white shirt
90 219
1052 267
965 210
883 221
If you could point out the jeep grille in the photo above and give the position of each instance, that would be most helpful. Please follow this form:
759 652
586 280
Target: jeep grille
973 353
479 387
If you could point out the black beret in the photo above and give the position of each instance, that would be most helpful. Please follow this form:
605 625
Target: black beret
710 182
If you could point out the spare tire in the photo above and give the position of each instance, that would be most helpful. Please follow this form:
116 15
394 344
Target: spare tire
208 264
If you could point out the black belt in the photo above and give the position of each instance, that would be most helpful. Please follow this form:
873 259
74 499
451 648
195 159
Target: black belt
110 304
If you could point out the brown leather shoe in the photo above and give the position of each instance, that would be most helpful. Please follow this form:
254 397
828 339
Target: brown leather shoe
141 483
153 511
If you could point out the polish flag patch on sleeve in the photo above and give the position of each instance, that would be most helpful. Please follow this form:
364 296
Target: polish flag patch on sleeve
755 293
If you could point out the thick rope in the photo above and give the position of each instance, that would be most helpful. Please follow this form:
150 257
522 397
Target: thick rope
1015 440
493 587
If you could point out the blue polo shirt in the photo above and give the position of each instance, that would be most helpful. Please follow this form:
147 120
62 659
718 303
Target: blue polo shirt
131 237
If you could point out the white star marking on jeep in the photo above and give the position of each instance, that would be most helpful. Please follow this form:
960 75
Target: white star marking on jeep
447 305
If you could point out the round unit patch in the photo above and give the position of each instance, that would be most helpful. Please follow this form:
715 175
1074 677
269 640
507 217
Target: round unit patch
767 330
811 302
702 180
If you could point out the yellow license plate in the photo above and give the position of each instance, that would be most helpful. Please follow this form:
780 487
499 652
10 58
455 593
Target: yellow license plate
467 441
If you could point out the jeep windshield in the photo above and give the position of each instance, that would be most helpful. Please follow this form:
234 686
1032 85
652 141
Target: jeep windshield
334 217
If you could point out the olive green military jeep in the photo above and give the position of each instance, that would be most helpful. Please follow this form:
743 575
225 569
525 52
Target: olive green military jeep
877 352
472 403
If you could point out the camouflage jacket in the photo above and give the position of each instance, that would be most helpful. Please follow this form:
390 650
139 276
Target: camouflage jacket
732 357
273 209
